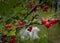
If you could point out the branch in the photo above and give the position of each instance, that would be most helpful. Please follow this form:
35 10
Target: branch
26 25
30 12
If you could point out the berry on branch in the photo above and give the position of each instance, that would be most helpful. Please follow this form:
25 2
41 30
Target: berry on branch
42 6
53 21
3 40
19 23
30 28
12 38
8 26
47 24
43 20
30 4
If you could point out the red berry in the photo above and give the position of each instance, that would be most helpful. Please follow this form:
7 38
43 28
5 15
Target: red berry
8 26
30 4
3 40
45 10
12 38
53 21
19 23
35 9
43 20
47 24
30 28
42 6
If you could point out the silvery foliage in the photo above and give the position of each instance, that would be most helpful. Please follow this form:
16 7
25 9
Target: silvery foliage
25 34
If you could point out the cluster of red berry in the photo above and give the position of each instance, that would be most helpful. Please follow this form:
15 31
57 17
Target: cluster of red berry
11 40
49 23
8 26
44 7
43 20
18 24
31 5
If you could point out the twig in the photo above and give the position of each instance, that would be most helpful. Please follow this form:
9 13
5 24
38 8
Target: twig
30 12
33 19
